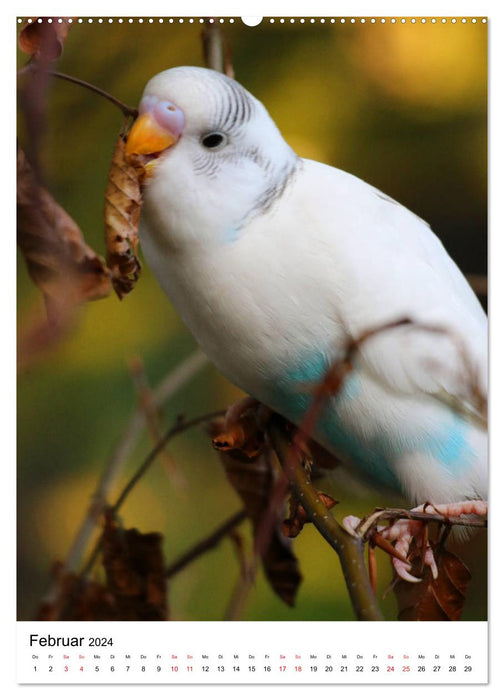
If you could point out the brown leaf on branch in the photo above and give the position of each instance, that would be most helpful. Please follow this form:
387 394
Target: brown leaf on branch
123 201
135 587
281 569
254 480
250 476
243 435
442 598
62 265
135 571
44 39
77 599
292 526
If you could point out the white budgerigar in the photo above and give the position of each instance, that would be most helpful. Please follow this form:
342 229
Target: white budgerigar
276 262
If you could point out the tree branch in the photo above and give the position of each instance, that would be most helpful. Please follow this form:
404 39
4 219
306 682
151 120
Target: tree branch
180 427
34 67
350 550
206 544
170 385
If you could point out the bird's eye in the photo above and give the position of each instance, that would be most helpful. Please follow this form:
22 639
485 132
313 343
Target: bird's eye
213 140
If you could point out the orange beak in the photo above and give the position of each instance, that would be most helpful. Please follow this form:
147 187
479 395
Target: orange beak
147 136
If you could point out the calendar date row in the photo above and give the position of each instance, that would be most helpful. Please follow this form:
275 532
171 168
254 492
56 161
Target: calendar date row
328 668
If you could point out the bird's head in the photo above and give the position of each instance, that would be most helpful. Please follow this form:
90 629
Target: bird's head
212 156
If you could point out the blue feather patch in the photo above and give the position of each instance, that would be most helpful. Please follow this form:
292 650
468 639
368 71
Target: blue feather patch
292 398
374 455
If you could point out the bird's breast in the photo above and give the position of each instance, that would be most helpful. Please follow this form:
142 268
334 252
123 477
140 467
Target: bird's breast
247 306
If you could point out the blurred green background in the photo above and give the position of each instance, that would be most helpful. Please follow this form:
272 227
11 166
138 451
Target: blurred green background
401 106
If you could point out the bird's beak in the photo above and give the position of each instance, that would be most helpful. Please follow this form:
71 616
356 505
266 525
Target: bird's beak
147 136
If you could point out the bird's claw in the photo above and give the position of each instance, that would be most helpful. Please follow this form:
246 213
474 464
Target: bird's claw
405 533
402 534
350 524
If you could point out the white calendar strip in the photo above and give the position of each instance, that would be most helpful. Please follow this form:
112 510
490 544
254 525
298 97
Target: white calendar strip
252 652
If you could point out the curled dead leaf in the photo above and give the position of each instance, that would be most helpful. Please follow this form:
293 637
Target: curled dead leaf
123 201
281 568
78 599
254 480
292 526
440 598
135 570
243 435
62 265
135 587
44 38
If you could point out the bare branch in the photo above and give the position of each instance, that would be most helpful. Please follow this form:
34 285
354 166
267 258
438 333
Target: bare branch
213 49
216 51
206 544
169 386
36 70
180 426
349 549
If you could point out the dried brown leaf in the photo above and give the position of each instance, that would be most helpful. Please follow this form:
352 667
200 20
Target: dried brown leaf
254 481
79 599
135 587
250 477
243 435
434 599
123 201
135 571
61 264
281 568
292 526
44 39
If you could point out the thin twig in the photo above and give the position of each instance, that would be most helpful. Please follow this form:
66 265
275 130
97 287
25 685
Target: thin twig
349 549
333 378
125 109
33 68
180 427
369 523
168 387
206 544
153 415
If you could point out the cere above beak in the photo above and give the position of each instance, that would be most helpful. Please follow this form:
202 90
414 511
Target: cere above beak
159 125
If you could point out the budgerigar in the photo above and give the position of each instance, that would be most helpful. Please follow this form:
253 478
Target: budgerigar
275 262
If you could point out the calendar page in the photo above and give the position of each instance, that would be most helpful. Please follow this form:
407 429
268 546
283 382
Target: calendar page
252 349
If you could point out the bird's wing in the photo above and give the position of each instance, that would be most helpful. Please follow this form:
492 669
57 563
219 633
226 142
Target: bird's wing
393 268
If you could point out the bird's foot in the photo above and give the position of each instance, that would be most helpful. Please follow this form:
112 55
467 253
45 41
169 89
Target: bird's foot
409 537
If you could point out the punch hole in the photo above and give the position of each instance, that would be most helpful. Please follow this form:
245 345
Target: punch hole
252 21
